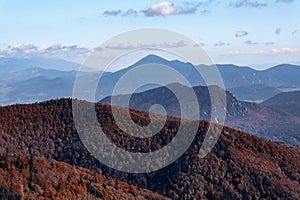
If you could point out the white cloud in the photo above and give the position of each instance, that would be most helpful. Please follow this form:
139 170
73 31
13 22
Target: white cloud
247 3
250 42
129 12
284 50
269 43
197 4
236 52
166 8
200 44
72 53
205 12
241 33
277 31
284 1
221 43
295 31
137 45
112 12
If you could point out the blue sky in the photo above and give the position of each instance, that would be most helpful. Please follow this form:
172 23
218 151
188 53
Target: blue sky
243 32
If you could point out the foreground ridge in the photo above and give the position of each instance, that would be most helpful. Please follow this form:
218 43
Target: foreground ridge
59 180
240 166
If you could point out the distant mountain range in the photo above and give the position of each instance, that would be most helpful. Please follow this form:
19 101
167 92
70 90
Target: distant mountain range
261 84
254 93
286 101
57 78
240 166
16 64
257 119
39 79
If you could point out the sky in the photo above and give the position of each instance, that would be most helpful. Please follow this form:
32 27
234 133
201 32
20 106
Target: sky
243 32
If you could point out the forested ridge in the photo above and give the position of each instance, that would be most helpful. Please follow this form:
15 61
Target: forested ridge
240 166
